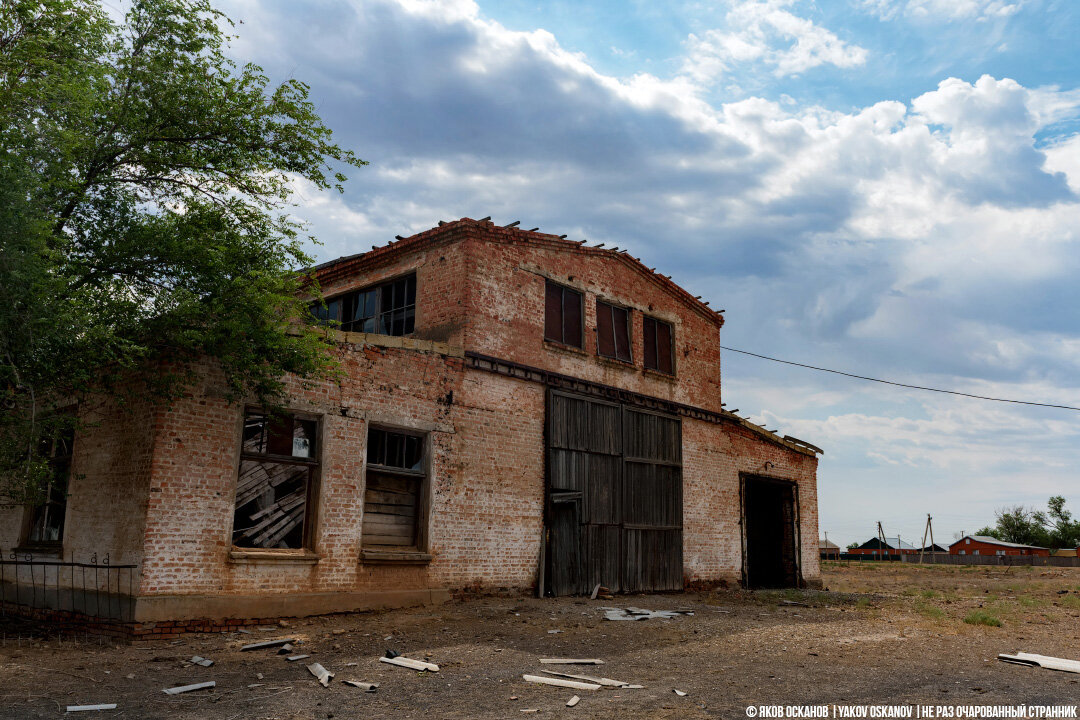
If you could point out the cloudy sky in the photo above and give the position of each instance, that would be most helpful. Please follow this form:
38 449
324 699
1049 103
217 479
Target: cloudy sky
886 187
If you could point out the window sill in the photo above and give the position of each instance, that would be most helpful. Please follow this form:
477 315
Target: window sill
276 557
52 550
616 362
394 557
660 375
556 346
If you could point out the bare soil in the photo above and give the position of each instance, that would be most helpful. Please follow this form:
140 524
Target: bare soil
883 634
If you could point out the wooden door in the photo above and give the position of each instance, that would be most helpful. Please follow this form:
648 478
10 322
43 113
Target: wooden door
614 497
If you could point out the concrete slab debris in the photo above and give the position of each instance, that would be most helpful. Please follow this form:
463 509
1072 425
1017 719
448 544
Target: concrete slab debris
573 701
294 658
680 693
205 662
190 688
571 661
84 708
1044 661
365 686
607 682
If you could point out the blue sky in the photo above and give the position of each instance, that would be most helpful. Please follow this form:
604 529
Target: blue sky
888 187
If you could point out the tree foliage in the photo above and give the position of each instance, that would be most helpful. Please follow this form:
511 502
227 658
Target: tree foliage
144 195
1054 528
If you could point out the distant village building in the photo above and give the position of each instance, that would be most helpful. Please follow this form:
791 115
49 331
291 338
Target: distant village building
828 550
986 545
891 547
517 412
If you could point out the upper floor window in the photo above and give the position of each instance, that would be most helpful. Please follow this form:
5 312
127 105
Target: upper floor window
658 345
562 315
278 471
47 518
386 309
613 331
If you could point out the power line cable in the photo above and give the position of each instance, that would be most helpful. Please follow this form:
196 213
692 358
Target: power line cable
899 384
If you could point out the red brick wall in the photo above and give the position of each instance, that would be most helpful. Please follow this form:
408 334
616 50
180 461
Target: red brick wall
970 546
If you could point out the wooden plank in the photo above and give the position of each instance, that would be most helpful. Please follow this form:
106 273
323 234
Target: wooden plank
376 519
389 497
410 663
570 661
84 708
395 541
387 509
560 683
391 483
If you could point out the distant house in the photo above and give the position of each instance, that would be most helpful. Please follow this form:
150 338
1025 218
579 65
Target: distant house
1064 552
935 548
828 550
986 545
891 546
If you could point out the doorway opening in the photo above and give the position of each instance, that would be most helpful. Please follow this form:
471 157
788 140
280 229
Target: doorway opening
770 533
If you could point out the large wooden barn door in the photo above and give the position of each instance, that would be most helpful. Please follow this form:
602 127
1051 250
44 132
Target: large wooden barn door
614 498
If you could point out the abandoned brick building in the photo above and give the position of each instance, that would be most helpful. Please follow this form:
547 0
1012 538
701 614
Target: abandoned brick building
518 412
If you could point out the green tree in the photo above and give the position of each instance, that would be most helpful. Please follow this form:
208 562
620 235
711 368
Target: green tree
1054 528
144 197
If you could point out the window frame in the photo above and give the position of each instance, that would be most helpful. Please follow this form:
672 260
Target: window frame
378 288
561 340
314 464
31 510
612 307
419 550
656 349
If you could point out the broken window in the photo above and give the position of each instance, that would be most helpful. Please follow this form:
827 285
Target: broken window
278 468
386 309
613 331
658 345
394 493
47 519
562 315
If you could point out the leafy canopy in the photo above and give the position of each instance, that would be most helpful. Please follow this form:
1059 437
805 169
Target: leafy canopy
144 195
1054 528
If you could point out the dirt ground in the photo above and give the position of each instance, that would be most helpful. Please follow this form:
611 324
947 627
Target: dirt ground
882 634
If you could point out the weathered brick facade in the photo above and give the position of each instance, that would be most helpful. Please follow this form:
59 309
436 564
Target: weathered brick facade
156 487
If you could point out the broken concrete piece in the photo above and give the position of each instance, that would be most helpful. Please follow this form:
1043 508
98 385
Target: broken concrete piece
573 684
410 663
324 676
189 688
268 644
285 649
365 686
84 708
1044 661
205 662
294 658
571 661
573 701
680 693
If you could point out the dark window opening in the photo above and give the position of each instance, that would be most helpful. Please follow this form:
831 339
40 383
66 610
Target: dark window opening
658 346
278 470
47 518
394 491
387 309
613 331
562 315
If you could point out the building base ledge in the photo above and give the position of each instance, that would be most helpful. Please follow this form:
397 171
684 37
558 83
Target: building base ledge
161 608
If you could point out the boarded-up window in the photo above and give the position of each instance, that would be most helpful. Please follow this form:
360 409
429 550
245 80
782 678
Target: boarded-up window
658 345
562 315
394 493
47 519
612 331
278 468
386 309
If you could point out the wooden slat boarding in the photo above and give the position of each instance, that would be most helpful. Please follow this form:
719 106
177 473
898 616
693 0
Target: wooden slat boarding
626 531
391 505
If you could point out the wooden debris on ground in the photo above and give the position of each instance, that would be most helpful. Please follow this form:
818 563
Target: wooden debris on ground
573 684
595 592
607 682
205 662
410 663
1044 661
573 701
365 686
84 708
268 644
324 676
190 688
571 661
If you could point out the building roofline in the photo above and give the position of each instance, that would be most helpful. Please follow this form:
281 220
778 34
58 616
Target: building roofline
486 230
994 541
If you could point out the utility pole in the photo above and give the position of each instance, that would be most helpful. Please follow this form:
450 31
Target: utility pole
881 538
928 529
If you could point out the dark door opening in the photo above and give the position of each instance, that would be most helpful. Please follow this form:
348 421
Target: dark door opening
771 559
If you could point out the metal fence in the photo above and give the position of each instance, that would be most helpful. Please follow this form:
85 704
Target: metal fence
48 595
